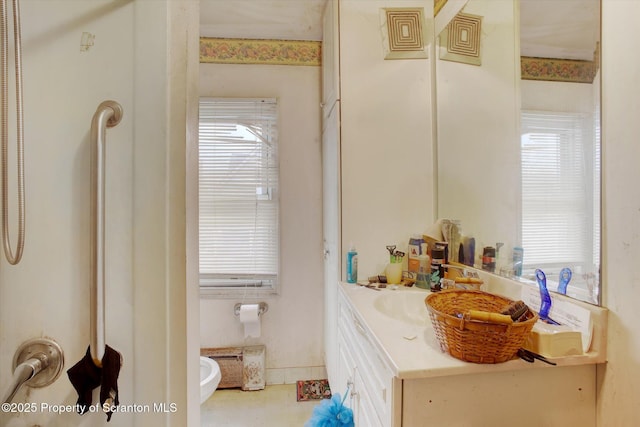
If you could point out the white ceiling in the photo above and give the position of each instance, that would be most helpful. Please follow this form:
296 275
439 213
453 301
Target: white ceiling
568 29
262 19
549 28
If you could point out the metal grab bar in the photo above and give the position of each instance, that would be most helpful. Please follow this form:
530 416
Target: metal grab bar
23 373
37 363
108 114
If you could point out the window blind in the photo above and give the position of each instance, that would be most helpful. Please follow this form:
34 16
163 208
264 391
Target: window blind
238 193
557 155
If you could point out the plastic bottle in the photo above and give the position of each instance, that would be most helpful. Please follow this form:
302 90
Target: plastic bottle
352 265
424 272
489 259
469 249
455 236
415 250
518 255
437 259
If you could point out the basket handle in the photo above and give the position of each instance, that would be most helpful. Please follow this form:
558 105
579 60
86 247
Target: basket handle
485 316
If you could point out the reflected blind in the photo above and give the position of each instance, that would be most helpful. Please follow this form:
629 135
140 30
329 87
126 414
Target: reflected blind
238 193
557 189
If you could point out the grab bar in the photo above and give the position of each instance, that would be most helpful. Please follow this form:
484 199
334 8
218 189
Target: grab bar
24 372
37 363
108 114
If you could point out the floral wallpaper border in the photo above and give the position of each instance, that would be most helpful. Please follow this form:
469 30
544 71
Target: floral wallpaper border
254 51
558 70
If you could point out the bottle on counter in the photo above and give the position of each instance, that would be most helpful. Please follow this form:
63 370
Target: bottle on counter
489 259
468 246
424 272
352 265
518 255
437 261
416 243
455 237
445 247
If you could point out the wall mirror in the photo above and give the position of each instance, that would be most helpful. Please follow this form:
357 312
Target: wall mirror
518 136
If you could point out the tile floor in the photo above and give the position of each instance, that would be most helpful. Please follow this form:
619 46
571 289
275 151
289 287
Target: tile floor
275 406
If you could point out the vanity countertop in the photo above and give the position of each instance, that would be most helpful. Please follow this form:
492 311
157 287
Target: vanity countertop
410 345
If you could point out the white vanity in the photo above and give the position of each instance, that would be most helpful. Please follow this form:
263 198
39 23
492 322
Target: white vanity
383 170
398 376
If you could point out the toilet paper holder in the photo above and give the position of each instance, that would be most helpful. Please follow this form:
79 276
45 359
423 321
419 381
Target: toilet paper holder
262 308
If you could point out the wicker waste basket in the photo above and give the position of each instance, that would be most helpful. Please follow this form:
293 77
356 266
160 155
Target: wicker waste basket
474 340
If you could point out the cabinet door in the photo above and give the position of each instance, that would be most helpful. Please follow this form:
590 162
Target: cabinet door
366 411
352 383
346 376
331 186
361 362
331 235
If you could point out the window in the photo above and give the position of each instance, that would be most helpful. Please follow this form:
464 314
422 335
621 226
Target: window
560 191
238 194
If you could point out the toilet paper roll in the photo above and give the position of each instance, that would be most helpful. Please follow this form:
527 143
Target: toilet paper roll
250 318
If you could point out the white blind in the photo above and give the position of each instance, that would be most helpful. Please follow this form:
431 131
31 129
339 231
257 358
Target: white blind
557 190
238 192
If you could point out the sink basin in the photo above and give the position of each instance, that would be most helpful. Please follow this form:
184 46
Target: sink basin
405 306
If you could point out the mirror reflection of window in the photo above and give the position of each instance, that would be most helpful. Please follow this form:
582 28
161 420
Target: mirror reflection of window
560 192
555 69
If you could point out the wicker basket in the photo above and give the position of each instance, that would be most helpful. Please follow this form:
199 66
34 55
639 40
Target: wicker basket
473 340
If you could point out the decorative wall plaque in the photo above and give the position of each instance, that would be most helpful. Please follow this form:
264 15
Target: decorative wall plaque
403 33
460 41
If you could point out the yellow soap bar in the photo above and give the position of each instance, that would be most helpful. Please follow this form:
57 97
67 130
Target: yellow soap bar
554 340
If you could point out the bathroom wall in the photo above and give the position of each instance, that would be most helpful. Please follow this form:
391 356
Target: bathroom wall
387 157
292 328
557 96
618 391
47 294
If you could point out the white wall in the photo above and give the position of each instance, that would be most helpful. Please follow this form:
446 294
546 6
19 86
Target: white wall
618 385
47 294
557 96
292 328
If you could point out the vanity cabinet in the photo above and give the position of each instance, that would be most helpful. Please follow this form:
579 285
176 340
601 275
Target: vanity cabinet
397 375
370 380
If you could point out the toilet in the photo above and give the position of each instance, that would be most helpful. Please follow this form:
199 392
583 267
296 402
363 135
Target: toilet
209 377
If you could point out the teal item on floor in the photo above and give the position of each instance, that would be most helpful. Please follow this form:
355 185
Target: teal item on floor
331 413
